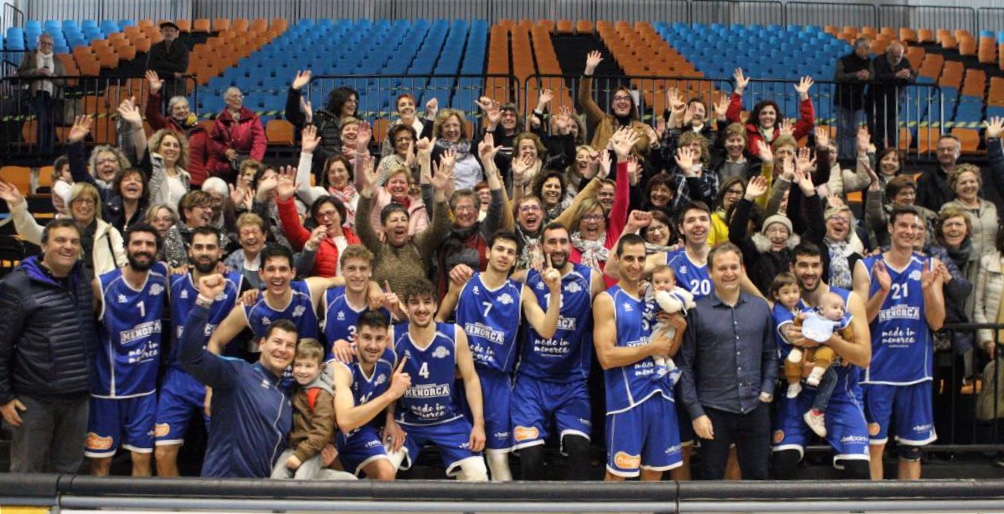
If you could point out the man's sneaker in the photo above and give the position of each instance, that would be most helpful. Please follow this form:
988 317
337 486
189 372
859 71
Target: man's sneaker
816 421
793 390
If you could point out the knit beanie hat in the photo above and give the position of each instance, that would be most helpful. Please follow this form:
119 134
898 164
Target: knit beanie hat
777 218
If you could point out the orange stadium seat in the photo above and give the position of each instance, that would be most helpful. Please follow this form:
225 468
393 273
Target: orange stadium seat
146 23
221 24
240 25
565 27
907 35
584 26
970 138
201 25
19 176
281 132
996 96
925 36
280 24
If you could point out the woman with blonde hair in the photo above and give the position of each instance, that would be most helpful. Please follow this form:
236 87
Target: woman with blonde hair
449 133
103 248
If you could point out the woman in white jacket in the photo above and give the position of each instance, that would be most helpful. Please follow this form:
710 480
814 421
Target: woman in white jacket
989 289
102 243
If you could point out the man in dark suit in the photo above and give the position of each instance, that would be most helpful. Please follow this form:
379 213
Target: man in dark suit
169 59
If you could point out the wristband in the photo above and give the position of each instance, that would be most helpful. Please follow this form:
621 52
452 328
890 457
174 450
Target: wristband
203 301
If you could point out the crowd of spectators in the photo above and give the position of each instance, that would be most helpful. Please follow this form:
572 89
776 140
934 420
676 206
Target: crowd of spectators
736 206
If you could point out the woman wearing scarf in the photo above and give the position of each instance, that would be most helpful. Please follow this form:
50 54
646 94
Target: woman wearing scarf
449 135
843 244
465 248
182 120
592 236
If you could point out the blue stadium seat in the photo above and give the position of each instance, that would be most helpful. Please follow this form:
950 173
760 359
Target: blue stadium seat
15 39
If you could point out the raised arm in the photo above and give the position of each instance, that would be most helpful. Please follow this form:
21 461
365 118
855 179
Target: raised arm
593 112
212 370
350 416
293 113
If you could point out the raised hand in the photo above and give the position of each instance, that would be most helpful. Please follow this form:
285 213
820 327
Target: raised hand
563 121
786 127
544 99
211 286
316 236
766 154
494 113
804 180
685 160
881 274
756 188
431 108
675 101
309 139
448 160
443 176
822 136
624 140
10 194
302 79
803 87
154 80
866 165
307 108
520 166
487 148
741 81
130 113
995 126
637 220
805 161
400 381
660 126
605 164
81 127
368 173
286 182
364 137
425 147
550 275
592 61
864 140
721 107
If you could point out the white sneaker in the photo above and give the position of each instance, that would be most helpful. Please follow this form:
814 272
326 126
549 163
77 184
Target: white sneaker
815 376
794 390
817 422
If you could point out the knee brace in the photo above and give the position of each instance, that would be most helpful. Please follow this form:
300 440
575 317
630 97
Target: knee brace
473 469
577 449
855 470
907 452
531 462
498 463
786 464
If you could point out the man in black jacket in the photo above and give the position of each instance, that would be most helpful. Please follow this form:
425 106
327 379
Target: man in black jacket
892 73
854 70
48 338
169 59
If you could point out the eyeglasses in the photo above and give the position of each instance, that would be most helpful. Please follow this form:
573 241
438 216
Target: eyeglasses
464 208
235 97
85 201
529 208
592 217
733 192
327 214
44 43
622 98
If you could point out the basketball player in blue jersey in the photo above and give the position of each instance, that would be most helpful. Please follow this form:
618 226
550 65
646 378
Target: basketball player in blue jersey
489 308
690 266
181 396
641 414
130 304
905 306
364 388
428 412
344 305
282 298
846 429
550 393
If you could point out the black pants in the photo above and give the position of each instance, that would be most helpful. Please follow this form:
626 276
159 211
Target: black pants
751 434
43 104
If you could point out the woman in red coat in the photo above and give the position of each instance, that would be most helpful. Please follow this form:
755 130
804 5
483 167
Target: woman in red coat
182 120
237 134
764 120
328 214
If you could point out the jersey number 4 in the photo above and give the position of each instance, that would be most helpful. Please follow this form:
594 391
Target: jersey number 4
424 370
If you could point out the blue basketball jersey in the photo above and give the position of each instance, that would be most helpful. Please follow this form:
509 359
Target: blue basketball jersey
299 310
690 276
183 295
782 317
365 388
491 318
566 356
629 386
341 318
429 400
130 329
902 344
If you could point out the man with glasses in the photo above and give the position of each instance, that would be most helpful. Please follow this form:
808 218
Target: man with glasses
40 66
169 59
892 73
933 187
